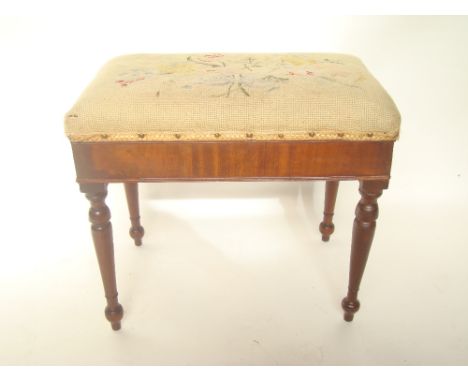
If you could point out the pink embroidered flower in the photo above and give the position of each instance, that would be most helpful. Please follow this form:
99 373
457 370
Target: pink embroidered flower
127 82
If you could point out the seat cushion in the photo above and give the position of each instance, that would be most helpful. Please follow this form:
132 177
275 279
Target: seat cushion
159 97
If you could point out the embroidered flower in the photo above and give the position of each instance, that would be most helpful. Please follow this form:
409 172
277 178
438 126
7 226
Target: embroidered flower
132 76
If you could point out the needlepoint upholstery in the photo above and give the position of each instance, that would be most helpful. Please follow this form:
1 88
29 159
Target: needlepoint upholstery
200 97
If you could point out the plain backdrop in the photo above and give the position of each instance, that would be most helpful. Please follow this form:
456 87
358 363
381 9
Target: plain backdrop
233 273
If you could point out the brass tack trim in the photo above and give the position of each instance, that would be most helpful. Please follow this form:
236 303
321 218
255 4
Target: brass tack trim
326 135
281 136
73 116
217 135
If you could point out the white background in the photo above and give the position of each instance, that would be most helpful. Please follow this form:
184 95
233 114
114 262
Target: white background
232 273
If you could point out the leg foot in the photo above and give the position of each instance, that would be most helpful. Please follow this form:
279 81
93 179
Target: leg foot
116 326
136 234
326 226
101 229
367 212
136 230
350 307
114 316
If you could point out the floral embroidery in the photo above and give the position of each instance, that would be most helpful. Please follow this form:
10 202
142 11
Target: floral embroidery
133 75
207 62
219 75
236 77
126 82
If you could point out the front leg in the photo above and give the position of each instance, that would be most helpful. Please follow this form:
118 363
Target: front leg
101 228
367 212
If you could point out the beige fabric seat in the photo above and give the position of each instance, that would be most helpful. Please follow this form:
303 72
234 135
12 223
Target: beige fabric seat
155 97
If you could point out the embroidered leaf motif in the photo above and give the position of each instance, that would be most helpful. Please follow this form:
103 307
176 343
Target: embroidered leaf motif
200 62
337 82
274 78
243 90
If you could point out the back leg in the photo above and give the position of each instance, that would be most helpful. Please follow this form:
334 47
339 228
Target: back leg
326 226
136 230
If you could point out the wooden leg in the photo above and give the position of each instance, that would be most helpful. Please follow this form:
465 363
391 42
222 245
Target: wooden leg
136 230
326 226
367 212
101 228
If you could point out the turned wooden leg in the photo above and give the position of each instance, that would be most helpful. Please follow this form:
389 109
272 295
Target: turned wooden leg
136 230
367 212
101 228
326 226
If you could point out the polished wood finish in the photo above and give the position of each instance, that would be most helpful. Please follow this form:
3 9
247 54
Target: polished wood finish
101 228
250 160
326 226
136 230
130 162
367 212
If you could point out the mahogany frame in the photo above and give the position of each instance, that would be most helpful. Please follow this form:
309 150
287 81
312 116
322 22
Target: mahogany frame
100 163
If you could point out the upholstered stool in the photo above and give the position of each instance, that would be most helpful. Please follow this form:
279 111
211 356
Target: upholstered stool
151 117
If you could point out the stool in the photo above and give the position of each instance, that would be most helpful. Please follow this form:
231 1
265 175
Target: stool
211 117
